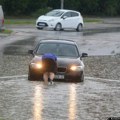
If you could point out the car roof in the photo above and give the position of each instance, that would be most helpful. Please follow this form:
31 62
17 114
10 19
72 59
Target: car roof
57 41
65 10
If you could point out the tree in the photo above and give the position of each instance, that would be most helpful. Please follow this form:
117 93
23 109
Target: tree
89 7
72 4
20 7
86 7
109 7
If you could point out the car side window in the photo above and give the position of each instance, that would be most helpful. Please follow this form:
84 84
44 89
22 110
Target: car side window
74 14
67 14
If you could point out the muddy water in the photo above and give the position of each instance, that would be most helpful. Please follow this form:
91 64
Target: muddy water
19 47
21 99
95 99
94 44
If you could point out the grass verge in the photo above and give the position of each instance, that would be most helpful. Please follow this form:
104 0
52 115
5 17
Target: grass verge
2 119
88 20
6 31
19 21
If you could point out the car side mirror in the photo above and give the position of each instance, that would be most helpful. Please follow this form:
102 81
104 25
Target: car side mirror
84 55
64 17
30 52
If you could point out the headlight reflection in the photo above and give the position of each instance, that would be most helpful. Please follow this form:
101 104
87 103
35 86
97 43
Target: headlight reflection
72 103
38 103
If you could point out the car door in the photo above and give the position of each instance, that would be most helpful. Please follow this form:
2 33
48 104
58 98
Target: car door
70 19
67 21
75 18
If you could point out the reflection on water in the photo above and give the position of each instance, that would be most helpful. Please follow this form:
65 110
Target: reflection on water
39 106
72 103
19 47
38 103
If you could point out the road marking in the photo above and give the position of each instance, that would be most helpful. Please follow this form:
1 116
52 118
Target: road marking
89 78
16 76
101 79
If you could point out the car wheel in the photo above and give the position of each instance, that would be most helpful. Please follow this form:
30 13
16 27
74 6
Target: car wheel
82 77
79 27
39 28
31 76
58 27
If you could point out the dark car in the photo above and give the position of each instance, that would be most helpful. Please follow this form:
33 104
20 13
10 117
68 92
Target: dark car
69 60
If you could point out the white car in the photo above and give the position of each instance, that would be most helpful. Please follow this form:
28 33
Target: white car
60 19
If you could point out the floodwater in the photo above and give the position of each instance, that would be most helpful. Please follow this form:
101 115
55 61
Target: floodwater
94 42
21 99
95 99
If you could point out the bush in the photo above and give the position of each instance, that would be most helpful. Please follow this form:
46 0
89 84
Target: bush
41 12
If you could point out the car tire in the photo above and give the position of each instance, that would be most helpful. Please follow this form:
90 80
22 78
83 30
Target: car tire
31 76
82 77
79 27
39 28
58 27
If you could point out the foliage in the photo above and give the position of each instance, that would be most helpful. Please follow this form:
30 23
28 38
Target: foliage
89 7
19 21
109 7
41 12
86 7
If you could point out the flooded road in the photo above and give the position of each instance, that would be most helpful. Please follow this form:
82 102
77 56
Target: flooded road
95 99
94 42
21 99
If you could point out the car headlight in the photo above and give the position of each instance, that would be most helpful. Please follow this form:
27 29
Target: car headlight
37 65
51 20
76 68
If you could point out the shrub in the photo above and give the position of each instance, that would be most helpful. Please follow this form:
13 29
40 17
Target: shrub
41 11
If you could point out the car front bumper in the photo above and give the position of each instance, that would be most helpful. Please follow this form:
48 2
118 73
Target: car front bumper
68 77
45 25
59 76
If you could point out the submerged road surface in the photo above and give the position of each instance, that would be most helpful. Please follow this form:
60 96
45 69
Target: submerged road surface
95 99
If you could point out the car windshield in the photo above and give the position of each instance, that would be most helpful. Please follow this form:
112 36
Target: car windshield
55 13
59 49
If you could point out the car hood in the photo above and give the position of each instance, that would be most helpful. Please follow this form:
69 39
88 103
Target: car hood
46 18
61 61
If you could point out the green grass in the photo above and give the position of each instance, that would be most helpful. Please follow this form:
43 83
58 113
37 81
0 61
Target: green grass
97 20
2 119
6 31
14 21
19 21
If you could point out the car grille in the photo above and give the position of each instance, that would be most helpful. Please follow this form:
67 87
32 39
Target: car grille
42 24
61 69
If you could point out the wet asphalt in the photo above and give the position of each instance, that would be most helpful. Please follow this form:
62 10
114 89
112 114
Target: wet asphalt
97 98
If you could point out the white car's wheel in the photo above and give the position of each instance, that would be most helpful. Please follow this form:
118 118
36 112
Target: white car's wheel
58 27
39 28
79 27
